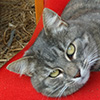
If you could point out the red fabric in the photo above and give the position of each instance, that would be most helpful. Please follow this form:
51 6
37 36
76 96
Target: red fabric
14 87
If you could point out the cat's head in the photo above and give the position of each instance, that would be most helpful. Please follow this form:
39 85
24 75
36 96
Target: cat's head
59 61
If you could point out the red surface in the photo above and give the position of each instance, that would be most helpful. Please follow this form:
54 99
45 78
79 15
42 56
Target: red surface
14 87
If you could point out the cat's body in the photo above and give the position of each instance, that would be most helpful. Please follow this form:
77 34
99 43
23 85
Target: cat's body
60 60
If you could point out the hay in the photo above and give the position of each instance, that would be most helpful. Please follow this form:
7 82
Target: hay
17 24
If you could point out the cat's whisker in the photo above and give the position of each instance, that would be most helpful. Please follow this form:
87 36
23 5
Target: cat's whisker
91 59
55 90
94 60
86 64
92 55
93 52
63 89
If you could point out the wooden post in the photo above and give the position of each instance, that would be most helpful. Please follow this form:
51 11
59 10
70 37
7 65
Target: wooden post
39 4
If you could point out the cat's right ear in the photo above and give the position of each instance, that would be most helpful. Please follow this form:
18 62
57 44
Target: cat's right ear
52 22
24 65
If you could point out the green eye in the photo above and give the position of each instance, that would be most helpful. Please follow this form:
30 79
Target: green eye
70 51
55 73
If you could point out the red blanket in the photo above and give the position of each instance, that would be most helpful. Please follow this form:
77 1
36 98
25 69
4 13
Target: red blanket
14 87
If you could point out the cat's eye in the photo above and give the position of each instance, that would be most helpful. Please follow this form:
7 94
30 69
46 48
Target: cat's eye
55 73
70 51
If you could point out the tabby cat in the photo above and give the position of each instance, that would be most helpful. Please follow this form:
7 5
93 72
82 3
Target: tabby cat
60 60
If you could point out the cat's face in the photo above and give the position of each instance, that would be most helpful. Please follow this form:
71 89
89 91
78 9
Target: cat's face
59 62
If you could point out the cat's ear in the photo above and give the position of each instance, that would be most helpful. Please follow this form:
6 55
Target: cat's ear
22 66
52 22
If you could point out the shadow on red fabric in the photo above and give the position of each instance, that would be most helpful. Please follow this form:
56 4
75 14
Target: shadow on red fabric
14 87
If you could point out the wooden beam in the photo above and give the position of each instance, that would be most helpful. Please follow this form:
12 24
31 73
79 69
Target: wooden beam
39 4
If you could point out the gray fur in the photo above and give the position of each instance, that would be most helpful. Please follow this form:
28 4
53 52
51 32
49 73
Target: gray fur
81 26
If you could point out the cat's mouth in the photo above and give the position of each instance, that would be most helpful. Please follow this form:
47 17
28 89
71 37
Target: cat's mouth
78 74
81 76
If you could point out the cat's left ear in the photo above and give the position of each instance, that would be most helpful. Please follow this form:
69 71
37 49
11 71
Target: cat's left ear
52 22
24 65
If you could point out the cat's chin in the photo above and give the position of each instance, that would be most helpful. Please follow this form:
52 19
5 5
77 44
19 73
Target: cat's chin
67 92
71 91
48 92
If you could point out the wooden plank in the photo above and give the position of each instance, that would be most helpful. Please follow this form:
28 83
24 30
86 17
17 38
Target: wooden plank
39 4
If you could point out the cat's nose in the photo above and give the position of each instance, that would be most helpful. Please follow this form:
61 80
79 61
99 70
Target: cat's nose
78 74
